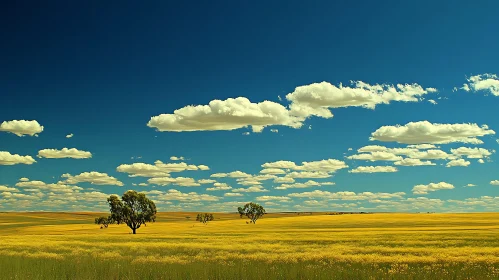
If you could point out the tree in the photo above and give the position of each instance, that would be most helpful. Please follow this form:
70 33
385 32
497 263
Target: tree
204 218
134 210
103 222
252 210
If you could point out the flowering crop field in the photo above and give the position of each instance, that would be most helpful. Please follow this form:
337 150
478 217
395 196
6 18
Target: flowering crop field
278 246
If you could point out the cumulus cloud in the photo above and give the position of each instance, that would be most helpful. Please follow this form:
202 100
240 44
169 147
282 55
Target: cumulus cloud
179 181
374 169
347 195
308 175
64 153
471 152
413 162
325 165
7 158
251 189
233 194
425 189
422 146
487 82
219 187
284 180
458 162
470 185
159 169
425 132
274 130
40 185
317 98
273 198
274 171
21 127
481 161
180 196
233 174
69 135
307 184
229 114
376 156
494 182
176 158
7 189
94 178
206 181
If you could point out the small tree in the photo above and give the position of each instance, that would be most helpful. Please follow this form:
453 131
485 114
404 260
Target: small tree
252 210
204 218
103 222
134 210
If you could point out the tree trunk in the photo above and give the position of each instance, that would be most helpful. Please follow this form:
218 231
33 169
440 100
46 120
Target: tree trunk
133 229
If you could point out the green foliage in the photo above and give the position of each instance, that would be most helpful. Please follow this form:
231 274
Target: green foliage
134 209
252 210
204 217
103 222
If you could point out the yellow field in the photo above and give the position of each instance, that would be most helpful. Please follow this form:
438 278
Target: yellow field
369 246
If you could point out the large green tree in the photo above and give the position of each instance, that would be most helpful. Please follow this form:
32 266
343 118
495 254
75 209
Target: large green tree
252 210
134 209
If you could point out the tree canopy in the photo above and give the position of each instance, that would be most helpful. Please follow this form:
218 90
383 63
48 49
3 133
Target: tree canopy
134 209
204 218
252 210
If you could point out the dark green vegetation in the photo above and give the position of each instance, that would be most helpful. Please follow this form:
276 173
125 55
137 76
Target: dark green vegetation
134 210
252 210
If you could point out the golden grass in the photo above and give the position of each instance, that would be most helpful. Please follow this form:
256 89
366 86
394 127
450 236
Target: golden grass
393 241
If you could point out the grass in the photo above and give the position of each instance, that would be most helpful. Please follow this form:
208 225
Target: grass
279 246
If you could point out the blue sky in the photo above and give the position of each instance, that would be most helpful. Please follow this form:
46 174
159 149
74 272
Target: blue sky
106 73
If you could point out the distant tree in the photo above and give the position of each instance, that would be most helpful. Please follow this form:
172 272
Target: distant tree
252 210
103 222
134 209
204 218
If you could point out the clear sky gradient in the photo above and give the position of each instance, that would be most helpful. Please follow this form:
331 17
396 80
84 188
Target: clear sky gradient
101 71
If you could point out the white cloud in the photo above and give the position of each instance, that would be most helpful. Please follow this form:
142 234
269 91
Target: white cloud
246 133
425 189
481 161
24 179
307 184
273 198
179 181
229 114
233 174
176 158
432 101
7 158
159 169
431 154
425 132
21 127
347 195
458 162
413 162
251 189
39 185
273 171
7 189
308 175
317 98
488 82
494 183
274 130
219 187
206 181
471 152
326 165
233 194
191 196
374 169
95 178
284 180
69 135
470 185
376 156
422 146
64 153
